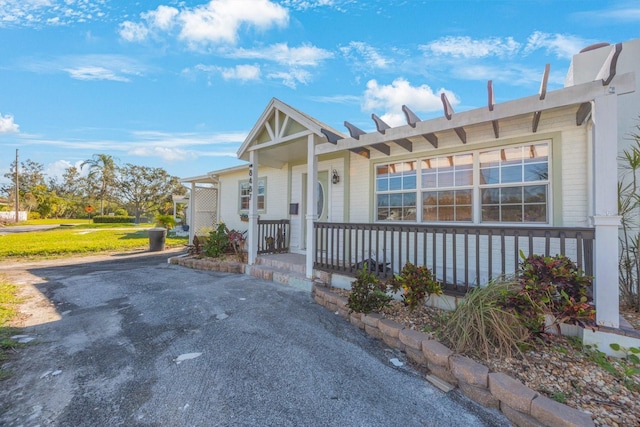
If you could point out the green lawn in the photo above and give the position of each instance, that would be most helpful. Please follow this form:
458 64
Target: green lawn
79 240
8 310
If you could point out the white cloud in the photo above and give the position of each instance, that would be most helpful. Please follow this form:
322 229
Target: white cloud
217 22
165 153
466 47
310 4
57 169
241 72
623 13
292 77
40 13
371 58
390 98
305 55
7 125
95 73
90 67
562 46
133 32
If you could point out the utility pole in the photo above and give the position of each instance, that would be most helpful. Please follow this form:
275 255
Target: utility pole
17 193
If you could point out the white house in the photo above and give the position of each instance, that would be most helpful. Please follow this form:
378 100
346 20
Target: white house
462 194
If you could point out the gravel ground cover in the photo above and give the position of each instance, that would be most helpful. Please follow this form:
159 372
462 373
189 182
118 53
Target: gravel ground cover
557 367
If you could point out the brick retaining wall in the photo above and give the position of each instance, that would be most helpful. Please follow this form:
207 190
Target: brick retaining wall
520 405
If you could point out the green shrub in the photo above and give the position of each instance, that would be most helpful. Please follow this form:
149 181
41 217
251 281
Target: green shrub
106 219
368 293
34 215
165 221
121 212
552 286
417 284
218 241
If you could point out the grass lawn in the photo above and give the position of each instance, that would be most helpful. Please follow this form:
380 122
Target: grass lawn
78 240
8 311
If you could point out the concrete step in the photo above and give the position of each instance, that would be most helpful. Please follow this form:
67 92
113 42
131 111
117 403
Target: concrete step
285 262
283 276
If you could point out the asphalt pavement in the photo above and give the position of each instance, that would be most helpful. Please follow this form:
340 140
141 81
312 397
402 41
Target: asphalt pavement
130 340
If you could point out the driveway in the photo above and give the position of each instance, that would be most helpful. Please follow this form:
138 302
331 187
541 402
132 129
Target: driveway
133 341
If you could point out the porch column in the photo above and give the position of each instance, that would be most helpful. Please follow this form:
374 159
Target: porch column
606 219
252 238
312 206
192 212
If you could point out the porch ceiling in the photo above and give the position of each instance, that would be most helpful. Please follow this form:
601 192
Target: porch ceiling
577 98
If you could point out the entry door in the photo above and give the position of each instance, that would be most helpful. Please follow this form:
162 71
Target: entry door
322 201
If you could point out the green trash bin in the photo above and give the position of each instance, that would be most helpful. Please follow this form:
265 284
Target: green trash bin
157 237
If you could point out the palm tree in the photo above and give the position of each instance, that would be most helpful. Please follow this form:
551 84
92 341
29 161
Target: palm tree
102 167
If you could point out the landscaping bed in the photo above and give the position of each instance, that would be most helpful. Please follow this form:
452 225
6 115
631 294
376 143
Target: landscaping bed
554 366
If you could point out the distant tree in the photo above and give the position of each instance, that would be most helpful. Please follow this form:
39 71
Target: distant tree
30 176
144 189
102 167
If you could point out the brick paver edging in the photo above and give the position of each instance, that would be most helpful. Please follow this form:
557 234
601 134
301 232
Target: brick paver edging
210 264
521 405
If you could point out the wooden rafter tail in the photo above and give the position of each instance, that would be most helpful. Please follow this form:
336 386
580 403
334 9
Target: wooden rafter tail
382 147
331 136
381 126
461 134
491 102
412 119
404 143
432 138
583 113
354 131
491 99
545 80
536 121
448 110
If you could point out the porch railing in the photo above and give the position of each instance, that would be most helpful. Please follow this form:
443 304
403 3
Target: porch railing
460 256
273 236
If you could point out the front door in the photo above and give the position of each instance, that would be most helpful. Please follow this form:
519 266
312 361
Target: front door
322 200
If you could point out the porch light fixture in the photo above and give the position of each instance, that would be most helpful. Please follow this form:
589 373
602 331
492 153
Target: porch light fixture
335 178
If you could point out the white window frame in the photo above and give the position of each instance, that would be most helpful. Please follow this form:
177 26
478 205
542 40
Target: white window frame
475 187
262 182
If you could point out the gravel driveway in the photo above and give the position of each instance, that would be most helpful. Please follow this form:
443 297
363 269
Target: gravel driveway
133 341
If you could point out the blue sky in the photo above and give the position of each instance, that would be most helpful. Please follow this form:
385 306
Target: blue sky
179 84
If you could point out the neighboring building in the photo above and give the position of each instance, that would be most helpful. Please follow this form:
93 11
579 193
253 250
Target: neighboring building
462 194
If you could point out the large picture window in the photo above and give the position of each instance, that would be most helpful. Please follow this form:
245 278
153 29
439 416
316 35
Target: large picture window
245 194
509 184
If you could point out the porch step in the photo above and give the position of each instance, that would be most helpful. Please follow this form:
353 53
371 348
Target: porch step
295 263
282 274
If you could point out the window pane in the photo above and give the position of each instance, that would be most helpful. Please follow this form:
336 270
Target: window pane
511 156
535 194
409 214
244 203
445 198
395 183
491 213
463 213
383 200
382 214
445 179
537 153
511 195
430 214
409 182
429 180
490 158
512 213
535 213
261 202
464 177
511 174
429 198
489 176
382 170
382 184
409 199
395 200
490 196
446 213
463 197
536 172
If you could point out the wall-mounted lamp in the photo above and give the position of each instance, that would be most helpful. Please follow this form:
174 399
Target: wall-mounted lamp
335 178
